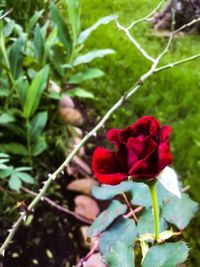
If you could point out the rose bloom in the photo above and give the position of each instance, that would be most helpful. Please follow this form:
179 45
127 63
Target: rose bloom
142 152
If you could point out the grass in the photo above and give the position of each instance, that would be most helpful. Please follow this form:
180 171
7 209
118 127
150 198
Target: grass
172 96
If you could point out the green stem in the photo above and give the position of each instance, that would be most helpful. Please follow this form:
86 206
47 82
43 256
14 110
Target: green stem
28 139
155 206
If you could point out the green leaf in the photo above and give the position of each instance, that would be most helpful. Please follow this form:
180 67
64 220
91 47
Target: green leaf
51 40
23 169
105 192
14 183
74 17
63 32
40 146
25 177
14 148
86 75
121 255
21 86
33 20
166 255
37 124
35 91
15 57
123 230
38 43
179 211
114 210
9 27
6 118
79 92
6 172
86 33
86 58
146 222
4 92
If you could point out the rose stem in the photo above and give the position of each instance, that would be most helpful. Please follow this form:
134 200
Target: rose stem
155 206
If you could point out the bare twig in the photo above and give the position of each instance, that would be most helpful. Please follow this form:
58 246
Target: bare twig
136 44
90 253
148 17
6 14
59 207
130 208
153 69
136 210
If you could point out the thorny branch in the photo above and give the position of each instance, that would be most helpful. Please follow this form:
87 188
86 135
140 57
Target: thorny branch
153 69
58 207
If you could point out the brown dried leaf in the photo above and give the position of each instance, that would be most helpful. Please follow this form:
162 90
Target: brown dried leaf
72 116
82 185
87 207
95 261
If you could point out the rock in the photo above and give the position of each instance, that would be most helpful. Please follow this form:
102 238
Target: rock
72 116
82 185
95 261
87 207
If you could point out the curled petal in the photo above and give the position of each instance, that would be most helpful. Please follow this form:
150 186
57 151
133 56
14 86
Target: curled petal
164 134
113 136
106 167
164 156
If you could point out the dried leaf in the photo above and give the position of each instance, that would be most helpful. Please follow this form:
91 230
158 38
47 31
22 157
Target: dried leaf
86 206
72 116
82 185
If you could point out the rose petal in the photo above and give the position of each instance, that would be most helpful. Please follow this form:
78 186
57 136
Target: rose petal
113 136
164 156
106 167
164 134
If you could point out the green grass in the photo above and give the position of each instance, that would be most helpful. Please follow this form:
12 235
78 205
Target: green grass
172 96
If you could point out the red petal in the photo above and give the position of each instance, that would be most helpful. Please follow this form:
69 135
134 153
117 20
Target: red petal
164 156
112 136
106 167
164 133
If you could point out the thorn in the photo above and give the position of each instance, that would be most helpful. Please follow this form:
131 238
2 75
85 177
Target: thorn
3 253
44 182
22 213
62 172
42 198
40 190
9 230
94 134
14 225
24 218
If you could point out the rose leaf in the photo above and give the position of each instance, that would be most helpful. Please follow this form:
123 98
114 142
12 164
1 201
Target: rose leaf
123 230
121 255
114 210
179 211
165 255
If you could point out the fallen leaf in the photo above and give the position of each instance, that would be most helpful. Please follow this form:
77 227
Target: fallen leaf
82 185
71 116
95 261
86 206
67 102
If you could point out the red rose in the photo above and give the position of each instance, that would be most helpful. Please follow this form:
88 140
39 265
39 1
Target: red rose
142 152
